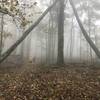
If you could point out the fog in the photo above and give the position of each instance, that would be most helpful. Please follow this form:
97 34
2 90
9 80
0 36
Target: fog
41 44
49 49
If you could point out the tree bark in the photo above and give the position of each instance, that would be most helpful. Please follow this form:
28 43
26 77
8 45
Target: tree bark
60 58
88 39
25 34
1 35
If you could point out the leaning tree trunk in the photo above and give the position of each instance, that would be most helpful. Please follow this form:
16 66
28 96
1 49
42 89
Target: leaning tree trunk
25 34
92 45
60 58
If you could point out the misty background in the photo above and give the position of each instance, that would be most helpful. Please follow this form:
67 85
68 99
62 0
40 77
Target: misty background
41 44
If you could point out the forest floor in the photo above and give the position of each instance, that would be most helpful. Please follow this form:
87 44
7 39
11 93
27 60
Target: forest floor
32 82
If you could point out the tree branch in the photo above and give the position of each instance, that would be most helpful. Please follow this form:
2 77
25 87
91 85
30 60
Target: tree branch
25 34
5 11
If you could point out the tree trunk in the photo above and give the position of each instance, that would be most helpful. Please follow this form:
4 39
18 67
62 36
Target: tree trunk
89 30
88 39
25 34
71 40
60 58
1 35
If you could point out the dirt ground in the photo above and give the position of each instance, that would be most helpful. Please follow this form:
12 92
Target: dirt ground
43 82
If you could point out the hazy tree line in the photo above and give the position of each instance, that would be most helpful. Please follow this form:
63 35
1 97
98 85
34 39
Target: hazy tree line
56 30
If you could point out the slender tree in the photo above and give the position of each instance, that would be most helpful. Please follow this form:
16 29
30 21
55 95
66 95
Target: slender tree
88 39
71 39
1 33
60 58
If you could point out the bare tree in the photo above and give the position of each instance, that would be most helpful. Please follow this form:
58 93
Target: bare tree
1 33
88 39
60 58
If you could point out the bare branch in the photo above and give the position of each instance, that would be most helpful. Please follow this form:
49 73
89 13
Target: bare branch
5 11
25 34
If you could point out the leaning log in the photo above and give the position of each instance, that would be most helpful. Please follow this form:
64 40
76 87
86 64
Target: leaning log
25 34
85 34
